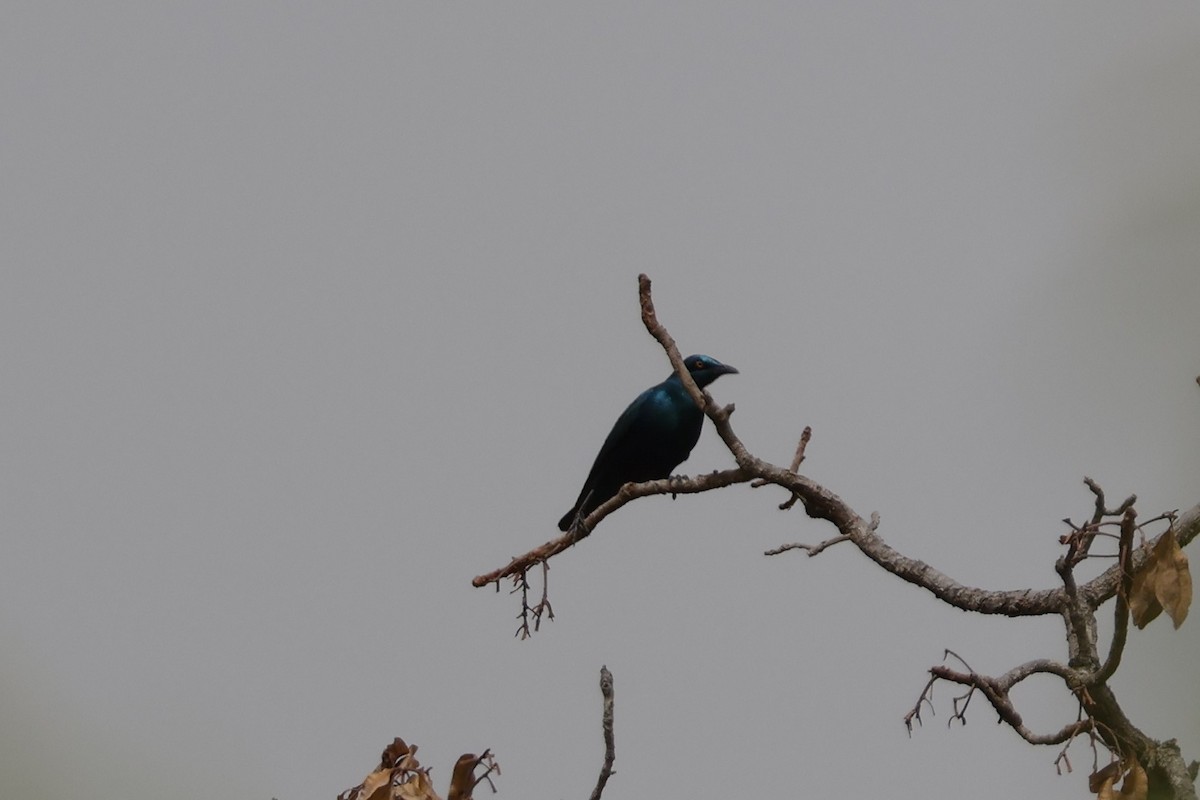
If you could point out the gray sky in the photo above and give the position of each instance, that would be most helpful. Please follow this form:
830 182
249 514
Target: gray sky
313 312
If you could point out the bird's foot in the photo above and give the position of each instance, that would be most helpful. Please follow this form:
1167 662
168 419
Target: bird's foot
673 481
578 529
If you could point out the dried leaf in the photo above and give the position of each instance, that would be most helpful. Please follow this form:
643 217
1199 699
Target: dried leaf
1110 774
416 787
1106 790
1164 583
1136 785
1143 602
376 786
1173 585
394 752
462 781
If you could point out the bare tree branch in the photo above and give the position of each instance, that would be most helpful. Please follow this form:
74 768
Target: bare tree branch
821 503
996 691
1085 674
630 491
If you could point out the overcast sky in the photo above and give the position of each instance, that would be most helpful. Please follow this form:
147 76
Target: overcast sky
312 312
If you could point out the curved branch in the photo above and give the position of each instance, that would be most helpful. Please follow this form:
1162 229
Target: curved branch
996 691
1039 666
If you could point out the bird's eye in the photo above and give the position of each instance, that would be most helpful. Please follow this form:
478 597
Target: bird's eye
698 364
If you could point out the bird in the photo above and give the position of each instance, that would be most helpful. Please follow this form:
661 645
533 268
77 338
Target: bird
655 434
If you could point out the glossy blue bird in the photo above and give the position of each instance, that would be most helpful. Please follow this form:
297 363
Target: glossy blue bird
650 438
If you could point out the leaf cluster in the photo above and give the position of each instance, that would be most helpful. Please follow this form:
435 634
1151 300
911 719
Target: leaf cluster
400 776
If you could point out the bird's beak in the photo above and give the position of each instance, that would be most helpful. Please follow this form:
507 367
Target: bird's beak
725 369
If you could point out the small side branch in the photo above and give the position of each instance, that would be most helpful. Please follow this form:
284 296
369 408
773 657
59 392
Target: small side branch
797 460
1079 542
610 751
812 549
996 690
533 612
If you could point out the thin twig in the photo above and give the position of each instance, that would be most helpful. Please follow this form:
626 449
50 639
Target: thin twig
797 460
535 612
926 699
812 549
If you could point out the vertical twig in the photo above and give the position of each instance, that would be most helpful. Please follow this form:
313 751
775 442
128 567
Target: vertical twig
610 752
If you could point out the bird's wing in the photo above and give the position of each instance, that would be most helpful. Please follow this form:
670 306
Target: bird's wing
623 431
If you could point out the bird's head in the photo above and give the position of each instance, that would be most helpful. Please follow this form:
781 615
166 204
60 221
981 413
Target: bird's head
706 369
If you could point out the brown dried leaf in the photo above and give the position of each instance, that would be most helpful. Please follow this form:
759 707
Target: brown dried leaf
462 781
417 787
376 786
1143 602
1109 774
1106 790
1173 585
394 752
1136 785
